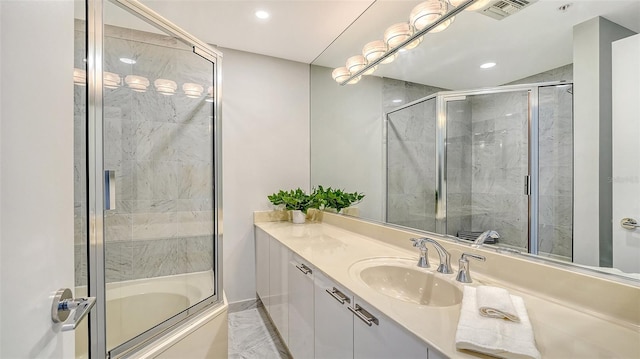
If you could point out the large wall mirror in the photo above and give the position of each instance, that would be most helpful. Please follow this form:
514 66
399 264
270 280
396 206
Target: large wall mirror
516 117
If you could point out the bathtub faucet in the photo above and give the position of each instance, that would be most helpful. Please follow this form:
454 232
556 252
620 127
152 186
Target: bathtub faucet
484 236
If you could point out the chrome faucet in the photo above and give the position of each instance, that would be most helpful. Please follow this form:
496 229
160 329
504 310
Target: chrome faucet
445 257
484 236
464 276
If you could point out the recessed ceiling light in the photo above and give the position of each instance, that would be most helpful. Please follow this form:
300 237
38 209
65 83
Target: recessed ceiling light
127 60
261 14
397 101
488 65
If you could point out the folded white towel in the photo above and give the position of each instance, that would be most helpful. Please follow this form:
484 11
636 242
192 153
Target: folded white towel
496 337
495 302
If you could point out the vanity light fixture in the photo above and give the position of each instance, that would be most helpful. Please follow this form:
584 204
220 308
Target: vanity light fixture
209 94
403 36
165 87
477 5
79 77
192 90
127 60
397 34
428 12
261 14
342 73
110 80
488 65
137 83
357 63
375 50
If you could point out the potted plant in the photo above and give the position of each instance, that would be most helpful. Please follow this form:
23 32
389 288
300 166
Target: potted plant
335 198
296 201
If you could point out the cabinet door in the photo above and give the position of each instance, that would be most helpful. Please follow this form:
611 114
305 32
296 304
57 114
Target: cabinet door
262 266
301 321
376 336
278 287
333 321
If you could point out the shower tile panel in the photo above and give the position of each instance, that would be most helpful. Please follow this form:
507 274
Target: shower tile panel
161 149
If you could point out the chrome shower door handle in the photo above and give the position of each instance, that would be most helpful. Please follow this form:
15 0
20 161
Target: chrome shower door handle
64 304
109 190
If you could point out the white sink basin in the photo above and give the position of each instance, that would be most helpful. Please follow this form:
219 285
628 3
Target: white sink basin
401 279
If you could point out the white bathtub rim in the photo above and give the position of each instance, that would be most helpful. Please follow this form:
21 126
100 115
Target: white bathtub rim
181 331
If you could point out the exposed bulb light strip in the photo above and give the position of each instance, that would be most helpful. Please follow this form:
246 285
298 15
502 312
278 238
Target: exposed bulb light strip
392 51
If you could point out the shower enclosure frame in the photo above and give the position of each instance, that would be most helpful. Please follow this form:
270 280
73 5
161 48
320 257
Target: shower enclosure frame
95 175
442 98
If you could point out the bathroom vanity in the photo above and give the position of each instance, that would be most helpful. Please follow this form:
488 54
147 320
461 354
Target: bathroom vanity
312 279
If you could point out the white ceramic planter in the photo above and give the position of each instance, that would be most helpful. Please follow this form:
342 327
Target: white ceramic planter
298 217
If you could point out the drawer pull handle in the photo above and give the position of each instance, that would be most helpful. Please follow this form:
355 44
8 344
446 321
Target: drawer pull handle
338 295
365 316
304 269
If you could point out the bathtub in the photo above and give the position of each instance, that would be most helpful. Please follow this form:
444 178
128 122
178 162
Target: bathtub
135 306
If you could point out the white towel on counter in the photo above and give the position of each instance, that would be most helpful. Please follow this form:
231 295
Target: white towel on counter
496 302
496 337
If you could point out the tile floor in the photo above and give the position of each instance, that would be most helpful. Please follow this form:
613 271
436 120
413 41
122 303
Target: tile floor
252 336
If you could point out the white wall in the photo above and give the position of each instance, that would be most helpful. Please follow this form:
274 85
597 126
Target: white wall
36 163
347 138
265 148
592 139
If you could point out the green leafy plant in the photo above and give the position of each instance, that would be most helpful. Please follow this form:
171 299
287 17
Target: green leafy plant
335 198
320 198
293 200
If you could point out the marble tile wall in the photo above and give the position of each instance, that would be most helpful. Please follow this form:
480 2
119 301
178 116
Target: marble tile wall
556 172
459 166
499 146
161 149
411 171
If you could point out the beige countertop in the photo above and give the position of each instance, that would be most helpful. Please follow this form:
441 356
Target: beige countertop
561 331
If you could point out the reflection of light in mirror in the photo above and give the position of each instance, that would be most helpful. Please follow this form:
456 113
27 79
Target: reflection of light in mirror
488 65
137 83
209 94
428 12
356 63
79 77
397 34
165 87
397 101
444 25
340 74
111 80
127 60
375 50
508 114
192 90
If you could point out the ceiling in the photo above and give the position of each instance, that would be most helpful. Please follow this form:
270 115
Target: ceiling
297 30
326 32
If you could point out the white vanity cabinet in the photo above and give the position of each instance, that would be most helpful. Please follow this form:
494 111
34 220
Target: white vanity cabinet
376 336
318 318
262 266
333 322
278 308
301 305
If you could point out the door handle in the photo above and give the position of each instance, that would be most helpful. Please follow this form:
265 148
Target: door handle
629 223
109 190
64 304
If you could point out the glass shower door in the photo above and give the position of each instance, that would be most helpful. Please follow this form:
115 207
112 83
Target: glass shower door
487 165
158 153
411 166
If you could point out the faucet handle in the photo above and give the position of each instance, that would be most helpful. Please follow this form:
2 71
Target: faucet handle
464 276
464 257
420 243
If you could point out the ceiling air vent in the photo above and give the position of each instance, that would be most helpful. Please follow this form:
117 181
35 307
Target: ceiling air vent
502 8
